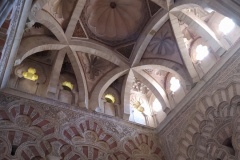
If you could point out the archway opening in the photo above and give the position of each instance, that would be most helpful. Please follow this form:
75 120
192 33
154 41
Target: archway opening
228 143
14 149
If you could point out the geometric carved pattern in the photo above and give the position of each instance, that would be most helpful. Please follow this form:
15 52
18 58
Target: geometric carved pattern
36 138
94 68
143 146
74 134
35 121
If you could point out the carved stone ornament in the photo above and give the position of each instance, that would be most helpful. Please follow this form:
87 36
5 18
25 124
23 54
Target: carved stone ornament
90 136
138 86
23 121
94 65
103 145
77 140
144 149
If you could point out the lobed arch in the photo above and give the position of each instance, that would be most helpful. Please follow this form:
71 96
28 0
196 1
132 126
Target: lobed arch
89 131
215 123
157 90
218 45
214 4
221 95
168 66
141 145
38 149
6 149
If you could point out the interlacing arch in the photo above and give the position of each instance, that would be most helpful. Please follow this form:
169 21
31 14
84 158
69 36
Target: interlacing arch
88 132
22 128
212 132
84 67
142 146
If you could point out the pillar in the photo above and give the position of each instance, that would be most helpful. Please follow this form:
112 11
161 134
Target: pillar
14 38
5 8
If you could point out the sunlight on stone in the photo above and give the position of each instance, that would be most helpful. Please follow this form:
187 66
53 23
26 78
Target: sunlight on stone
202 52
157 105
226 25
175 84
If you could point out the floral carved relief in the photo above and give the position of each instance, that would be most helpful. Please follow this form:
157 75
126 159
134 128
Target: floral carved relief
90 136
94 67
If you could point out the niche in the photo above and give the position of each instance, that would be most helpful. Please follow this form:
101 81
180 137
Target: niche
14 149
30 78
111 102
67 89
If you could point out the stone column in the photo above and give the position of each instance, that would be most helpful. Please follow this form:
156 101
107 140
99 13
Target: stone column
5 8
13 40
155 118
146 119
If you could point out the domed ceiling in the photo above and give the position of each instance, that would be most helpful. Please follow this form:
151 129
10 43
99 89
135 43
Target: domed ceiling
108 74
115 22
85 50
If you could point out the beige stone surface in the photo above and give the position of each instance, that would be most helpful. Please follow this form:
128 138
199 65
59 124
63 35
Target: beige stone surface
43 119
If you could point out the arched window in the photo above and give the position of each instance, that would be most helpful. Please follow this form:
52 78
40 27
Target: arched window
175 84
226 25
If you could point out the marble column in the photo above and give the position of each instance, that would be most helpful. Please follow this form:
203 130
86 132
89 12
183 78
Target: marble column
5 8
